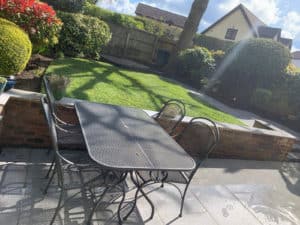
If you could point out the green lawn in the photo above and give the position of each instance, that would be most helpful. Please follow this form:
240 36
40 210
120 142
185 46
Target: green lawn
103 82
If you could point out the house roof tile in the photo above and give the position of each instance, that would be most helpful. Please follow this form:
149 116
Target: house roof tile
160 15
296 55
268 32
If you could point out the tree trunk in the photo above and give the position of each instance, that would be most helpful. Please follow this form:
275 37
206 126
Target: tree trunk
190 28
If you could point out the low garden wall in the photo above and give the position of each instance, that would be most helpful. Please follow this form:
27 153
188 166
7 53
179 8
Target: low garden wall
23 124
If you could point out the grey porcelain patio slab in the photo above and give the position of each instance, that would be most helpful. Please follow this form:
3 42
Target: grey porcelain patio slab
268 206
224 206
224 192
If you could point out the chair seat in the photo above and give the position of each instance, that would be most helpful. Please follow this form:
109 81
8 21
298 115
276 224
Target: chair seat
71 140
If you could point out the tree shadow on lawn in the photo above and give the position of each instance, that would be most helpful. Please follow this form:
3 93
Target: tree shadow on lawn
101 73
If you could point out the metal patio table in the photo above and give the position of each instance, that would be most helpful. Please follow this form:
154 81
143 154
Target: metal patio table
127 140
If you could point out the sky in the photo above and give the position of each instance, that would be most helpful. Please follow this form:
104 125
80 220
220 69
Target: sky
284 14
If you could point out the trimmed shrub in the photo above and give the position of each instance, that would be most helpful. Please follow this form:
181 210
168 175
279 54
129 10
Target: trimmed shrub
253 63
212 43
197 63
261 97
73 6
275 102
15 48
292 84
37 18
82 35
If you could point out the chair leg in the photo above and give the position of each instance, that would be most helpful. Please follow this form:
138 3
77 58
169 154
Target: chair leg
120 205
96 206
58 206
49 181
50 169
183 198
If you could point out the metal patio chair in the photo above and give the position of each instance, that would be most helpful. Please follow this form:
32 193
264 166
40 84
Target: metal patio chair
69 135
199 138
170 115
63 125
80 165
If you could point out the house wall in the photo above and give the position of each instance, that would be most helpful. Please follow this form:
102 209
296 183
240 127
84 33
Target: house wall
296 62
235 20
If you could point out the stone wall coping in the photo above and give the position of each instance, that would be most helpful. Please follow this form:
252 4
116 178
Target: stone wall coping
186 119
17 93
70 101
274 132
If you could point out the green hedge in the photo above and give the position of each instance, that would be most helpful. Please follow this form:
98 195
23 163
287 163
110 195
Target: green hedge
251 64
197 64
15 48
137 22
212 43
82 35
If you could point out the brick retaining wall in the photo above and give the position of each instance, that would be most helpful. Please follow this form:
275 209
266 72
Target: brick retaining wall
24 124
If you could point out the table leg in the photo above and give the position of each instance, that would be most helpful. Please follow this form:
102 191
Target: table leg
140 189
109 187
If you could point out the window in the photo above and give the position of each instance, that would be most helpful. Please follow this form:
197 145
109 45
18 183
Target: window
231 33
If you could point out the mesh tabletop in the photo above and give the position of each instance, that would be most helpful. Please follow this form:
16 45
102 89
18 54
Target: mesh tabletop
127 138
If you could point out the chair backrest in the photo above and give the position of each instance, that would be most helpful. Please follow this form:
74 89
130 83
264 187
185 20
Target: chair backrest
59 159
170 115
50 97
199 138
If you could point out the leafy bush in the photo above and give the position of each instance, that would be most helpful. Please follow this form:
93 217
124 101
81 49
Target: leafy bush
212 43
141 23
82 35
160 29
113 17
36 18
15 48
197 63
254 63
218 55
72 6
291 69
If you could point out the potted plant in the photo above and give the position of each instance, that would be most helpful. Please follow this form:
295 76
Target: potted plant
2 84
58 85
11 82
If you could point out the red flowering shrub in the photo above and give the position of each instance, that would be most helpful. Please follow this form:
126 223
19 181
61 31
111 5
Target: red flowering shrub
37 18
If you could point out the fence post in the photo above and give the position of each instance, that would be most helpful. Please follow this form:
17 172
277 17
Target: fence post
155 44
126 43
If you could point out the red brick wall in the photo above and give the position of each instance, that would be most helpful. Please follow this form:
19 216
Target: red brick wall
24 125
250 144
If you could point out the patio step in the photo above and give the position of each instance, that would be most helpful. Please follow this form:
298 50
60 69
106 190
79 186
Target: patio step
293 156
296 148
